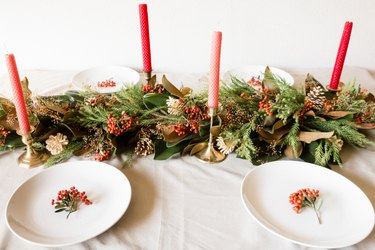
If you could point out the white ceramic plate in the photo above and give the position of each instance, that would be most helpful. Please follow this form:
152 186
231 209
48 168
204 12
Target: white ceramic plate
347 214
31 217
247 72
91 77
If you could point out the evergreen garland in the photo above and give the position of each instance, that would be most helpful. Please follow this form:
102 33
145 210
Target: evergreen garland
260 120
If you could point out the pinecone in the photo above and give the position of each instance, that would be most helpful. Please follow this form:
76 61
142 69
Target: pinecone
311 82
145 146
316 97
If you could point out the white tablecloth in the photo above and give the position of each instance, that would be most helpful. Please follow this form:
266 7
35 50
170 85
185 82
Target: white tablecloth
181 203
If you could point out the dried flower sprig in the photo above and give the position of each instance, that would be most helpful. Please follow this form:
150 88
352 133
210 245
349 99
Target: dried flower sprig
67 200
306 197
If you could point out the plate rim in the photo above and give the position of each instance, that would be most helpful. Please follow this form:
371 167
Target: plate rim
294 240
229 73
125 178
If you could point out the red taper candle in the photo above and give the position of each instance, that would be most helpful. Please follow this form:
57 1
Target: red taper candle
145 37
213 88
19 101
341 54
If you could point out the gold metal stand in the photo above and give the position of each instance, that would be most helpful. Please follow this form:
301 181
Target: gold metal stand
341 85
31 158
209 154
147 76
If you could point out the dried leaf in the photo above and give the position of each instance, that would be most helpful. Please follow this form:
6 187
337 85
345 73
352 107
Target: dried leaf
289 152
84 151
269 120
171 88
310 113
365 125
370 98
186 91
215 130
267 84
275 137
152 81
170 135
338 114
309 137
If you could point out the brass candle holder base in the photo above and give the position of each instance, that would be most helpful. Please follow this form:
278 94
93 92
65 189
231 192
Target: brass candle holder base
31 158
147 76
208 153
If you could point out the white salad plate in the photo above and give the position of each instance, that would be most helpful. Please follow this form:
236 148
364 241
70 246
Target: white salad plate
346 212
257 71
90 78
31 216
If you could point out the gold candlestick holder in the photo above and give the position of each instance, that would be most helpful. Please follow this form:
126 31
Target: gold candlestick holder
209 154
147 76
31 158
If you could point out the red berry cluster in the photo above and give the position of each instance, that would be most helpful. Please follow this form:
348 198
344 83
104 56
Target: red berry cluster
67 200
305 197
265 103
105 150
194 116
106 84
119 126
3 135
158 88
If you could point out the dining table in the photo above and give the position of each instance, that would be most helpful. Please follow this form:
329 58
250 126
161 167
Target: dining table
183 203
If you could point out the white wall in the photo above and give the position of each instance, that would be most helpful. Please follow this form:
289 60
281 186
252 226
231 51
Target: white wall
77 34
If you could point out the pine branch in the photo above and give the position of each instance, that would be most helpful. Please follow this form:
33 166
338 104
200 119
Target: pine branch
72 147
343 128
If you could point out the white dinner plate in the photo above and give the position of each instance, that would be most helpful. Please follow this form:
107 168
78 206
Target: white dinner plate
247 72
90 78
30 214
347 214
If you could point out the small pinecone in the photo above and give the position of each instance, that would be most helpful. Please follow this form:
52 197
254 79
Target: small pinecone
144 147
316 97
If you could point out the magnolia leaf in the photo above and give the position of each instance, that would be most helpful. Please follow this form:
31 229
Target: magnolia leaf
170 135
155 100
370 98
56 108
7 105
25 88
84 151
182 138
289 152
162 152
268 75
152 81
310 113
309 137
186 91
171 88
277 125
187 148
338 114
198 147
215 130
269 120
276 136
365 125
